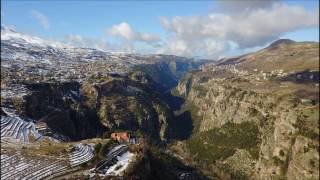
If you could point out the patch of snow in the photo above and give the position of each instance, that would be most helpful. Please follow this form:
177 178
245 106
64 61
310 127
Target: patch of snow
123 162
114 149
8 34
17 128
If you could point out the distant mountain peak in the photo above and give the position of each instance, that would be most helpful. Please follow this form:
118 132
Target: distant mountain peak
9 34
281 41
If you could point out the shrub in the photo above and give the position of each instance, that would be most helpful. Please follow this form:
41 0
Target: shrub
97 148
100 150
106 135
220 143
201 91
105 147
313 164
281 153
18 104
277 160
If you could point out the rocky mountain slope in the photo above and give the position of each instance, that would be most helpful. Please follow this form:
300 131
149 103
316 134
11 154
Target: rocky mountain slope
250 117
256 116
81 92
66 94
283 54
96 106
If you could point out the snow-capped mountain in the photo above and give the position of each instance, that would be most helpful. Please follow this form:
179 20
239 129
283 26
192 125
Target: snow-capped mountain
10 35
25 57
20 47
17 46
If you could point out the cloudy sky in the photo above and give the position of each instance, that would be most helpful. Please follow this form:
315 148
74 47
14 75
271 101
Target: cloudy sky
206 29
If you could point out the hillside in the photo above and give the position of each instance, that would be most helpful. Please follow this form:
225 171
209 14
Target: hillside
56 99
283 54
250 117
255 116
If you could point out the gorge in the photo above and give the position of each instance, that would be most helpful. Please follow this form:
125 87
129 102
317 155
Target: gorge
250 117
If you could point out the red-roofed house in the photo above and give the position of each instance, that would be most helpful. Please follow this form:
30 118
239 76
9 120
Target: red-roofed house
120 136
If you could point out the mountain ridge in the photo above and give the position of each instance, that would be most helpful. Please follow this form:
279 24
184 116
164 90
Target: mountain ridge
284 54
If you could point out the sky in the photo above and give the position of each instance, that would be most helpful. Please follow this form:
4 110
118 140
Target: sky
206 29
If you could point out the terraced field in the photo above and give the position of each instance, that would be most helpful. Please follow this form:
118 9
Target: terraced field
15 165
42 158
81 154
19 129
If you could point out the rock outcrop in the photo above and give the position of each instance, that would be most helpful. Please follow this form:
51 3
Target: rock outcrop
227 99
132 102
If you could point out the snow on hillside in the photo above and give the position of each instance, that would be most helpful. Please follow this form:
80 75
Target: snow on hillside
8 34
121 165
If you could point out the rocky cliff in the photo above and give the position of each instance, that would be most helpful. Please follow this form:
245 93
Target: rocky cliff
135 101
99 105
132 102
168 72
251 128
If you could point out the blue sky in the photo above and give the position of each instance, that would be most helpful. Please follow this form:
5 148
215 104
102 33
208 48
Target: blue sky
94 19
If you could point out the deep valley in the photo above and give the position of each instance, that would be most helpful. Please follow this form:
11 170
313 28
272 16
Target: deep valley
249 117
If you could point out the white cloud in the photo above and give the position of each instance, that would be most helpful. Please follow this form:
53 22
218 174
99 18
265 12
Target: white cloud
42 19
243 6
205 48
124 30
255 25
234 27
79 41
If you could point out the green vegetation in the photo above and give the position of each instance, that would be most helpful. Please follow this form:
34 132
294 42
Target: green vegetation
196 119
97 148
283 164
106 135
139 113
94 78
281 153
278 161
201 90
103 113
101 149
162 162
204 79
76 107
234 173
308 123
47 149
18 104
312 163
220 143
153 162
90 95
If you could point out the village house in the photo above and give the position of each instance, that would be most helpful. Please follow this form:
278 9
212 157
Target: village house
123 137
120 136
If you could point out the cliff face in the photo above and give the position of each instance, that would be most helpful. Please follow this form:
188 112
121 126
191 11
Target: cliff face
219 103
60 107
168 73
273 129
101 104
132 102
